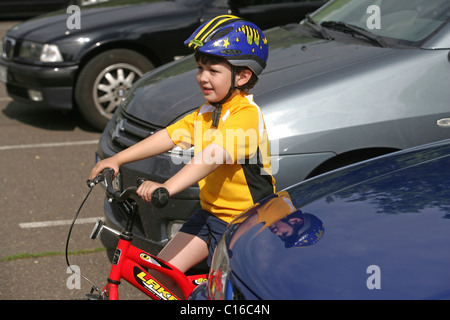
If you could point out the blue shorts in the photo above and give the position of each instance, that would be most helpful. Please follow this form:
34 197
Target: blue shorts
207 227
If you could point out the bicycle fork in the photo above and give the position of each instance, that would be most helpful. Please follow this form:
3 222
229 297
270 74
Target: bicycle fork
110 291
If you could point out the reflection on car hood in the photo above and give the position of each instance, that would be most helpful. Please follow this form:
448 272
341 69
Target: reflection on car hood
52 28
391 213
165 94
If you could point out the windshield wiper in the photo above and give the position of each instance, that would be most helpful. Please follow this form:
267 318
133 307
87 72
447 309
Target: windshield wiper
317 28
348 28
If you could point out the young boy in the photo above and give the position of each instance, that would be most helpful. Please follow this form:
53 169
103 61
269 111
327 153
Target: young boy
231 163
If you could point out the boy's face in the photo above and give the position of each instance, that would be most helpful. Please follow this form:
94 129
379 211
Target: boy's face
214 80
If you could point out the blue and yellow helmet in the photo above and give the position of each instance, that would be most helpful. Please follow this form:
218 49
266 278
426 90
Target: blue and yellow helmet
308 233
240 42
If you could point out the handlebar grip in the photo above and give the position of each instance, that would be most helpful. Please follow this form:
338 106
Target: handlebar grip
160 197
106 176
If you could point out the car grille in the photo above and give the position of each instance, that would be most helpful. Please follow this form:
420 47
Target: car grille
127 132
8 46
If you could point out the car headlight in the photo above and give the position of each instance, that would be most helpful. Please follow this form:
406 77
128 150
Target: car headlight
219 285
40 52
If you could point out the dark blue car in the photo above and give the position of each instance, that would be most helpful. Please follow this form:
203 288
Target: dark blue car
379 229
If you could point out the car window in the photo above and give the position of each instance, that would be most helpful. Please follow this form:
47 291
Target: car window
261 2
407 20
266 13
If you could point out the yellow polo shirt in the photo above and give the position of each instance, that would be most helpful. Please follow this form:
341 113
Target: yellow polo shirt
234 186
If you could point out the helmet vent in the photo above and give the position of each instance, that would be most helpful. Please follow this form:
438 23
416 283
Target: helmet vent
221 33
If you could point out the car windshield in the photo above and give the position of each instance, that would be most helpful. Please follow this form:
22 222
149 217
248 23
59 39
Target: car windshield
404 21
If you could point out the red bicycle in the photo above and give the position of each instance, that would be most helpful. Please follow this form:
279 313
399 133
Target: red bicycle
129 262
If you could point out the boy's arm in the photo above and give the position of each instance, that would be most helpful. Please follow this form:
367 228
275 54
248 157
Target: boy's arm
153 145
202 164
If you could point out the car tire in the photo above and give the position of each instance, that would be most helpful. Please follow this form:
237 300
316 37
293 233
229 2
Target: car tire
104 81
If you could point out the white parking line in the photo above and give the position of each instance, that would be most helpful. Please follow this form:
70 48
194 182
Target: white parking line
48 145
43 224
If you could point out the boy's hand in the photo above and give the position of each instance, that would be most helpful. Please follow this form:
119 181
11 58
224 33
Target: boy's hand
104 164
146 189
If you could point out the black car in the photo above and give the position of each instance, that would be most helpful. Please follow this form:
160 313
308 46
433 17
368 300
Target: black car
90 58
20 9
379 229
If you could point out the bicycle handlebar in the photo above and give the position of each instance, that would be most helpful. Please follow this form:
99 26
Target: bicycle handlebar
160 196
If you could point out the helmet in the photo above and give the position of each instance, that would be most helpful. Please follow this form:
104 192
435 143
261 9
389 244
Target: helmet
308 233
240 42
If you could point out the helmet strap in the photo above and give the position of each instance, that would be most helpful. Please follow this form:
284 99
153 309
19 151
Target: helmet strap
218 105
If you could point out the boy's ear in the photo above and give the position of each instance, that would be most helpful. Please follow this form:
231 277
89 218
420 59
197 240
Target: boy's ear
243 77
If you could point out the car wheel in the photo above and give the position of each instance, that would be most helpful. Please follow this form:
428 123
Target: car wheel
104 81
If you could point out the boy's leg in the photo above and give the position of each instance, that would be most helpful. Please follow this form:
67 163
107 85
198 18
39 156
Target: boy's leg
184 251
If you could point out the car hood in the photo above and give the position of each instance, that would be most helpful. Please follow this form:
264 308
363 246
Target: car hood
165 94
390 215
52 28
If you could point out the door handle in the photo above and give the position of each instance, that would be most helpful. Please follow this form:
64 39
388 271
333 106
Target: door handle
443 123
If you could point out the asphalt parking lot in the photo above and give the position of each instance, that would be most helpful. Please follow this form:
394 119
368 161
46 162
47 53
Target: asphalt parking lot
45 158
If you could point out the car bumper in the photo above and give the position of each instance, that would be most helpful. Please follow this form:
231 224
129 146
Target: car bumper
40 85
116 220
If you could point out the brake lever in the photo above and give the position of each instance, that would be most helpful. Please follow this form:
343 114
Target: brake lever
99 178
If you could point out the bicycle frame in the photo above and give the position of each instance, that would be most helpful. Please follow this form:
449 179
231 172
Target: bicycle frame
130 263
133 264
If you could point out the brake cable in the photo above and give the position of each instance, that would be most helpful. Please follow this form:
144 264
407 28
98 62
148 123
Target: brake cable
94 287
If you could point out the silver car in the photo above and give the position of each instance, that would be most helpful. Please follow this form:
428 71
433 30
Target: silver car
355 80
